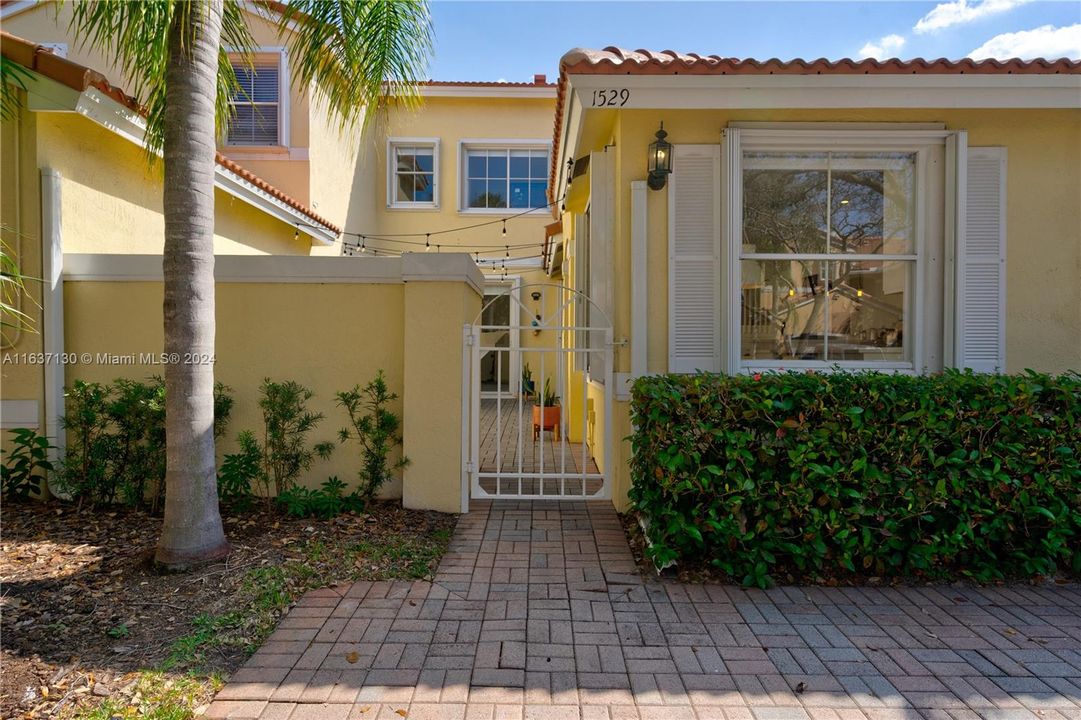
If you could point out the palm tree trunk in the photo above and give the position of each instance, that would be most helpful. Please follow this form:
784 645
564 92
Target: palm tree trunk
192 531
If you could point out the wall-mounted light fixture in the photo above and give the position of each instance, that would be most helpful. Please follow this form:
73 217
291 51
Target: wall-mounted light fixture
660 160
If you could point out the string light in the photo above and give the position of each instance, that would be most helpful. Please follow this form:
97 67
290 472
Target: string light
504 228
427 242
363 247
296 233
508 250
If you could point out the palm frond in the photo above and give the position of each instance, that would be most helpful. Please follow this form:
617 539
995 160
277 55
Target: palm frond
137 35
356 54
13 78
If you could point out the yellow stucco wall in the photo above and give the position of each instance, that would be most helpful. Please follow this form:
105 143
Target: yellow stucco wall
278 330
451 120
111 197
1043 329
20 230
435 314
1043 305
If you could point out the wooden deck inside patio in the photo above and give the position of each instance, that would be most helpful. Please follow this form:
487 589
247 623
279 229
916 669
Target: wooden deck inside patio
562 459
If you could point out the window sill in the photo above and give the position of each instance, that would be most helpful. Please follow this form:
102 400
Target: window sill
501 211
426 207
253 149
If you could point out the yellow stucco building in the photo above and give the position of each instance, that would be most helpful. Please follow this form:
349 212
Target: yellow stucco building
513 255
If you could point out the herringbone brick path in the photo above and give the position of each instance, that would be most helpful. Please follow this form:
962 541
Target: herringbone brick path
537 612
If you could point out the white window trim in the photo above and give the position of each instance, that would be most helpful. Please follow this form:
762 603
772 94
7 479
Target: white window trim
284 98
804 139
392 173
466 144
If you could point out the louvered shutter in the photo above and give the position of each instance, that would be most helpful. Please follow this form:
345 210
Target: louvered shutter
694 227
981 264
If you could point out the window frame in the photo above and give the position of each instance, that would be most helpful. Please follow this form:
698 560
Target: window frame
467 144
805 140
279 55
392 203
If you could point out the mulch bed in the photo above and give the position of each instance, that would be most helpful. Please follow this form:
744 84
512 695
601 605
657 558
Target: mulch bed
83 608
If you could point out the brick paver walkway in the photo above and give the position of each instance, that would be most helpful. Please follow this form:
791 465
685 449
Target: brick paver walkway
537 612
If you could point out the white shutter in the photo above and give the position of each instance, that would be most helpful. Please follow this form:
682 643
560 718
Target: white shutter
981 264
694 282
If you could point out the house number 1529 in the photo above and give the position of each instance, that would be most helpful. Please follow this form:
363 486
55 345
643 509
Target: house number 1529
611 98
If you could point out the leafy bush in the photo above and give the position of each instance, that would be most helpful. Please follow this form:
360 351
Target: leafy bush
116 441
238 471
326 502
286 424
24 470
955 474
376 429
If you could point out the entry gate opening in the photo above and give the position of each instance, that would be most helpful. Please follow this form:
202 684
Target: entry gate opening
544 432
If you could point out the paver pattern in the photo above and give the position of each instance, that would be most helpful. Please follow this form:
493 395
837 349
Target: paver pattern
537 613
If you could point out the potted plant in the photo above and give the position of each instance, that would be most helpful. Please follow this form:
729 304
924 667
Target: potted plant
528 388
546 412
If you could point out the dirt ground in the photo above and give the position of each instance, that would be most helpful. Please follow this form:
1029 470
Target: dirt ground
83 608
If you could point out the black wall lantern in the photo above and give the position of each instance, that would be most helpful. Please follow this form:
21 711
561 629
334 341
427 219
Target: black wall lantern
660 160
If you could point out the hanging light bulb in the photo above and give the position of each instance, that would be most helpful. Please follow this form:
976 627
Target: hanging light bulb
504 227
362 246
427 242
439 248
508 251
296 233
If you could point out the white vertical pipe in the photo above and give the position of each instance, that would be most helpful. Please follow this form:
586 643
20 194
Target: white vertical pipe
53 306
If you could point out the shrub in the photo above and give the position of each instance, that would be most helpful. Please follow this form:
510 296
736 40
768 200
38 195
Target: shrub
238 471
954 474
116 440
376 429
286 424
326 502
25 465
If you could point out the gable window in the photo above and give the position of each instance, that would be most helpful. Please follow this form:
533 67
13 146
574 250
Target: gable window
413 173
828 259
507 176
256 104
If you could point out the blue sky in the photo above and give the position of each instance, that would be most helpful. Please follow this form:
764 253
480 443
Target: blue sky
512 39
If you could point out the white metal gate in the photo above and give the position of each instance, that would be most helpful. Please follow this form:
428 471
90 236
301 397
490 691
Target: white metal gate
538 436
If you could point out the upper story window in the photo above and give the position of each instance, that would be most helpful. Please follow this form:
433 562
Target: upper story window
504 176
413 172
256 105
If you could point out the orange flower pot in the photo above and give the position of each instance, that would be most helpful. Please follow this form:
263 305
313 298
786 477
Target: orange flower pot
546 418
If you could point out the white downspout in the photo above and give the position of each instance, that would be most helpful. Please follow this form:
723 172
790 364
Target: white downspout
52 295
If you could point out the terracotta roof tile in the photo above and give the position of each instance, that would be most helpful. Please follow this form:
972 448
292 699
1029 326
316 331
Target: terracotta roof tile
78 77
614 60
484 83
620 61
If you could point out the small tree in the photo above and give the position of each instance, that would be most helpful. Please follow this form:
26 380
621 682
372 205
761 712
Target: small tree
286 424
376 429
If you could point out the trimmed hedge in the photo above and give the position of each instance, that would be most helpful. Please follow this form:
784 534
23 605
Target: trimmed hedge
951 475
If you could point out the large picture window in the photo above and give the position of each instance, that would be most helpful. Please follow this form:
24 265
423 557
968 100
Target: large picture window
828 258
513 177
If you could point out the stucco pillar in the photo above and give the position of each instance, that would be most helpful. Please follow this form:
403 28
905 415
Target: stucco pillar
440 297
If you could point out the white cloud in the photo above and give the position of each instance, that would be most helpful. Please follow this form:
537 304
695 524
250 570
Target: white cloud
956 12
883 48
1046 41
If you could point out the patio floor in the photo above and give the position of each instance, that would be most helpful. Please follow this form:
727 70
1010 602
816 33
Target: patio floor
537 612
499 453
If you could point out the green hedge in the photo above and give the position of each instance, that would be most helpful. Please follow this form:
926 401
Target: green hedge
820 475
